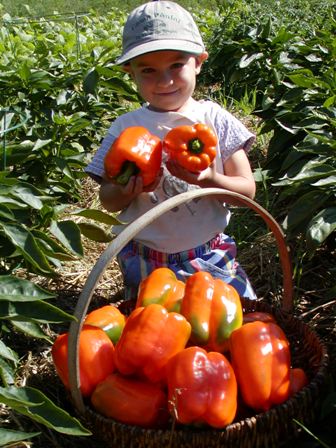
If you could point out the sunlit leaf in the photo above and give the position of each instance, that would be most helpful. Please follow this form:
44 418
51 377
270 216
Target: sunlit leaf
9 436
94 232
321 226
41 311
34 404
98 215
68 233
32 329
17 289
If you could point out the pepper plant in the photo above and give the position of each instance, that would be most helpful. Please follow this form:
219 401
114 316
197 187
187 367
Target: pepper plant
293 76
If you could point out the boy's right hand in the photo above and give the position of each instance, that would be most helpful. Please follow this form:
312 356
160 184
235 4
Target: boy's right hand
115 197
135 186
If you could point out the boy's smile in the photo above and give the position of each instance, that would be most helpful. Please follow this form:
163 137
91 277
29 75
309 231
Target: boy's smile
166 79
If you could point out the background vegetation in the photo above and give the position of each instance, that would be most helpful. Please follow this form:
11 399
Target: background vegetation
271 63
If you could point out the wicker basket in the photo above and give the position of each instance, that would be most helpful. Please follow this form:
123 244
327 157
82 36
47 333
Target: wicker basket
267 429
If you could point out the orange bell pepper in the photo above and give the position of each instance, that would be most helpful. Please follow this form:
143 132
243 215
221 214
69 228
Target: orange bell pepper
260 357
193 147
161 286
214 310
135 152
202 388
131 401
96 353
150 338
109 319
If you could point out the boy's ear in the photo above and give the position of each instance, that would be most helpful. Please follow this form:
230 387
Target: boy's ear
126 68
199 61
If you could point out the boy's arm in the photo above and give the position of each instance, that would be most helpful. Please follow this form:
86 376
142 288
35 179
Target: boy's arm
238 175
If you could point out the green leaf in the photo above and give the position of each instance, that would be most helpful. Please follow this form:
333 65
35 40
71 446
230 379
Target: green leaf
26 244
303 208
68 233
309 172
304 79
31 329
27 194
329 181
94 232
98 215
9 436
8 353
246 60
21 290
330 101
41 311
41 143
321 226
7 373
90 81
34 404
50 247
5 212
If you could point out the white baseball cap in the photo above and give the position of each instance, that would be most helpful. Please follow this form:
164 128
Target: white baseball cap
159 25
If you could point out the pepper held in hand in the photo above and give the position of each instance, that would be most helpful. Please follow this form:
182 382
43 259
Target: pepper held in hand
135 152
192 147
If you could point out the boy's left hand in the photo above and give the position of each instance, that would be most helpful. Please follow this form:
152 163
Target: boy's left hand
201 179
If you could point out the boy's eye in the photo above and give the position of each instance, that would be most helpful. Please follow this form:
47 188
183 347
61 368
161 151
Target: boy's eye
177 65
147 70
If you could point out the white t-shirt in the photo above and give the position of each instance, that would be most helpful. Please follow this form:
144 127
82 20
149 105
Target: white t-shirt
193 223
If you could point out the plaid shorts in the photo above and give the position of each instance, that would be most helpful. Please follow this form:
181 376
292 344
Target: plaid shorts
217 256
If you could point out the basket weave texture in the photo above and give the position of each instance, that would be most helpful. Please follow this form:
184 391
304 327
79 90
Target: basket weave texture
264 430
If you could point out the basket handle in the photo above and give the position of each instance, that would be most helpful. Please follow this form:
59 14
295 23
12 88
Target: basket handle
128 234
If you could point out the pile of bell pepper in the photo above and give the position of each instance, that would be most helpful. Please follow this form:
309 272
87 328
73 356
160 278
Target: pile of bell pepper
187 352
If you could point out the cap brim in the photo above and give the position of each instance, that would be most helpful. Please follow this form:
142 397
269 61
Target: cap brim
160 45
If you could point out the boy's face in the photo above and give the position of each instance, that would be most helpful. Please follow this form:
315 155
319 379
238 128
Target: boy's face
166 79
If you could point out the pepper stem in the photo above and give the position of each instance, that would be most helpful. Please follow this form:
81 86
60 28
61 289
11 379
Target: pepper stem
128 169
195 146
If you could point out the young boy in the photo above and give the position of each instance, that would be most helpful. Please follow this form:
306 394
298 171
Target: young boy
163 52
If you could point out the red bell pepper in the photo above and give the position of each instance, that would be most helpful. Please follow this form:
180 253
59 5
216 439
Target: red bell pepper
260 357
96 353
135 152
150 338
214 310
258 315
202 388
131 401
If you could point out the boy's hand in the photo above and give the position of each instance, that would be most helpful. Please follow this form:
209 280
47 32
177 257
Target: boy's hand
202 179
135 185
115 197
